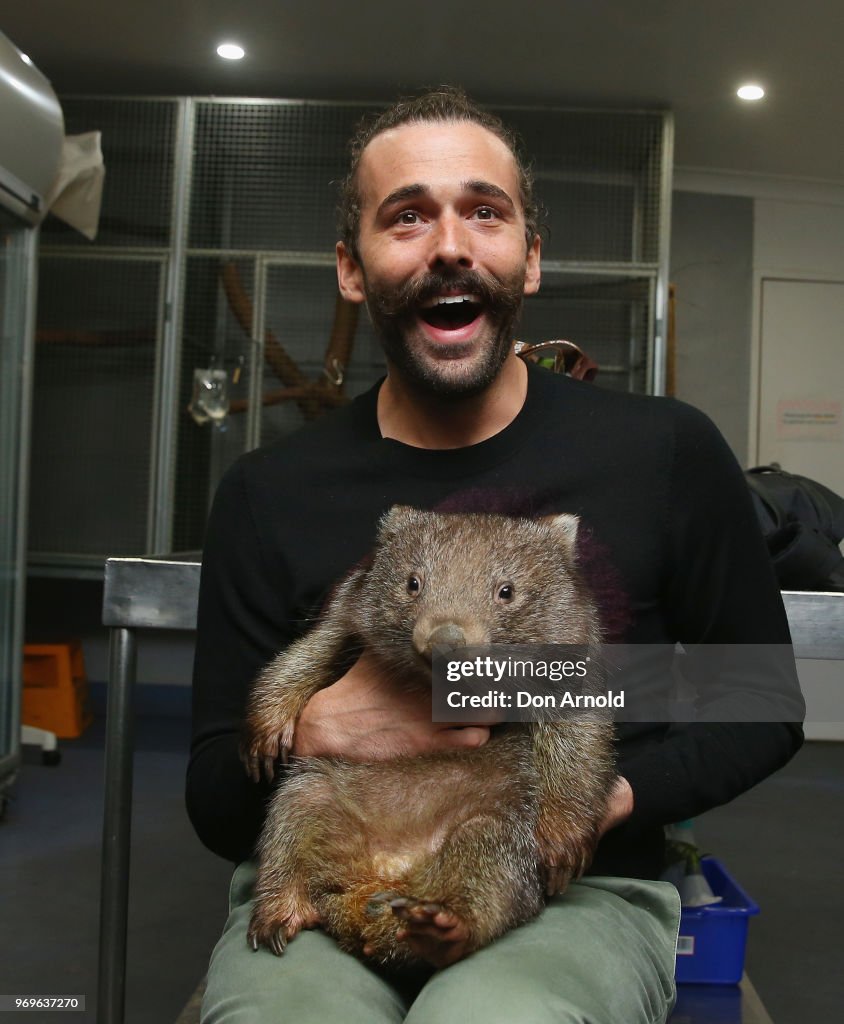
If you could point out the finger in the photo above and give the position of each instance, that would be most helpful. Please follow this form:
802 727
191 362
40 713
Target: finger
470 736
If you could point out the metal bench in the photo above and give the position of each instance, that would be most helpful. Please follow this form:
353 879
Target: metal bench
146 593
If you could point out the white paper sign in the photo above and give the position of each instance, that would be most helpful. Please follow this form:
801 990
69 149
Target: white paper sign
809 419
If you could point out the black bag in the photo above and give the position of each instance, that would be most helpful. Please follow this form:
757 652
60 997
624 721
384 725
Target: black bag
803 524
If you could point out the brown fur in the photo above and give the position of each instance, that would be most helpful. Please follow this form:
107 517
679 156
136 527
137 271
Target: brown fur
483 832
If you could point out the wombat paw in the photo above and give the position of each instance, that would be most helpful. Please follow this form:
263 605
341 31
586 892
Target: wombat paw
263 747
431 931
564 860
274 928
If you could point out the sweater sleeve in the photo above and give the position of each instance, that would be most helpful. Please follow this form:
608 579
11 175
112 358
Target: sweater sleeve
719 588
240 627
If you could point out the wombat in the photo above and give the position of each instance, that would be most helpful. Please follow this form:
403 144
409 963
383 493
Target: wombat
486 833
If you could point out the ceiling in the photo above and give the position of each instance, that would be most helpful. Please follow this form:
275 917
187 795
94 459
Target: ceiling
686 55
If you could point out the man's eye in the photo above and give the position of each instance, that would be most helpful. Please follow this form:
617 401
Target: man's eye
408 217
485 213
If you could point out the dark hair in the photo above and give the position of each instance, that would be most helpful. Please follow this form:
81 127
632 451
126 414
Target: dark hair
444 103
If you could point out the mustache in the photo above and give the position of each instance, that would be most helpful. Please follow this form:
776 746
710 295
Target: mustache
501 296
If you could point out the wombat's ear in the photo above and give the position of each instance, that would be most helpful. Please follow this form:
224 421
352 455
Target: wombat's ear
397 518
565 525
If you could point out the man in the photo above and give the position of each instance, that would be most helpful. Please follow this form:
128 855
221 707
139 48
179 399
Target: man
441 243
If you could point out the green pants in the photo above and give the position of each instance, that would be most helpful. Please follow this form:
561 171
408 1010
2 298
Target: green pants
601 954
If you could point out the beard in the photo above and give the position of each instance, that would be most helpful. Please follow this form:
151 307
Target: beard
460 368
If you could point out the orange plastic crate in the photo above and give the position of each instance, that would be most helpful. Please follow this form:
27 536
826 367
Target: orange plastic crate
55 689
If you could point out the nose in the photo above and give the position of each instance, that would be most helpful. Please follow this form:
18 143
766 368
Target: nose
449 635
451 245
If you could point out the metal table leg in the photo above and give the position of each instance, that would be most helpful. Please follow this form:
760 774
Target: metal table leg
117 822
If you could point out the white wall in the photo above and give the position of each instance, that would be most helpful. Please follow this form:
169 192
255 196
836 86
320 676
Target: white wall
800 237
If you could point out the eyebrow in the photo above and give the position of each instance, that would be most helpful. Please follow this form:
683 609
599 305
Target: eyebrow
399 195
486 188
417 191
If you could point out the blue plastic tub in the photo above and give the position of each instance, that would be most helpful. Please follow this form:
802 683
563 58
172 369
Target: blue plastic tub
710 948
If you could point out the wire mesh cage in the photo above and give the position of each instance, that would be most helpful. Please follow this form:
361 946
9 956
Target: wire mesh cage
607 316
206 320
599 175
93 404
138 143
265 174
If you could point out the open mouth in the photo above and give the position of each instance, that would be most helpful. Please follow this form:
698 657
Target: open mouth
451 312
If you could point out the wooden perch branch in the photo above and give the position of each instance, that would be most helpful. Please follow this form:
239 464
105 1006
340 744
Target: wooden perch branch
312 396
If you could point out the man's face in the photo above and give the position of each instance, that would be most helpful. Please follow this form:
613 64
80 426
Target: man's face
443 261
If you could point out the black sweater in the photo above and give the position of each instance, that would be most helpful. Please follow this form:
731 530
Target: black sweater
675 554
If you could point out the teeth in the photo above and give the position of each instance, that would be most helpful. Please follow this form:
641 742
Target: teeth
447 300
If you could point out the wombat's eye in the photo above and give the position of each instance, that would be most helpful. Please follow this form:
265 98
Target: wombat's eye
506 593
414 583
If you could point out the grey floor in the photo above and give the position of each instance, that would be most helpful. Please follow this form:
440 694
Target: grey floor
783 841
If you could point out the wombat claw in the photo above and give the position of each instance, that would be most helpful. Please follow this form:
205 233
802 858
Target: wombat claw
378 903
258 767
277 942
276 930
262 753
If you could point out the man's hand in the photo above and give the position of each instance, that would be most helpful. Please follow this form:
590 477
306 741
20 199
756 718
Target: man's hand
619 806
366 717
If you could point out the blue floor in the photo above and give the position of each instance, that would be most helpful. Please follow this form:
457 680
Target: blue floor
49 864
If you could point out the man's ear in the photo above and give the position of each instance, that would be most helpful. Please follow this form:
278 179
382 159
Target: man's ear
532 273
349 275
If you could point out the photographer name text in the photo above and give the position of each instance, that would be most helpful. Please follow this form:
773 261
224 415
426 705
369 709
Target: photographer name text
525 699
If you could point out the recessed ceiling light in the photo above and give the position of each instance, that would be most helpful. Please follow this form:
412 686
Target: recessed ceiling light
26 58
750 92
230 51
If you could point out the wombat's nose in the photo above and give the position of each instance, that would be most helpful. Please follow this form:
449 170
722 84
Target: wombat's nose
448 635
